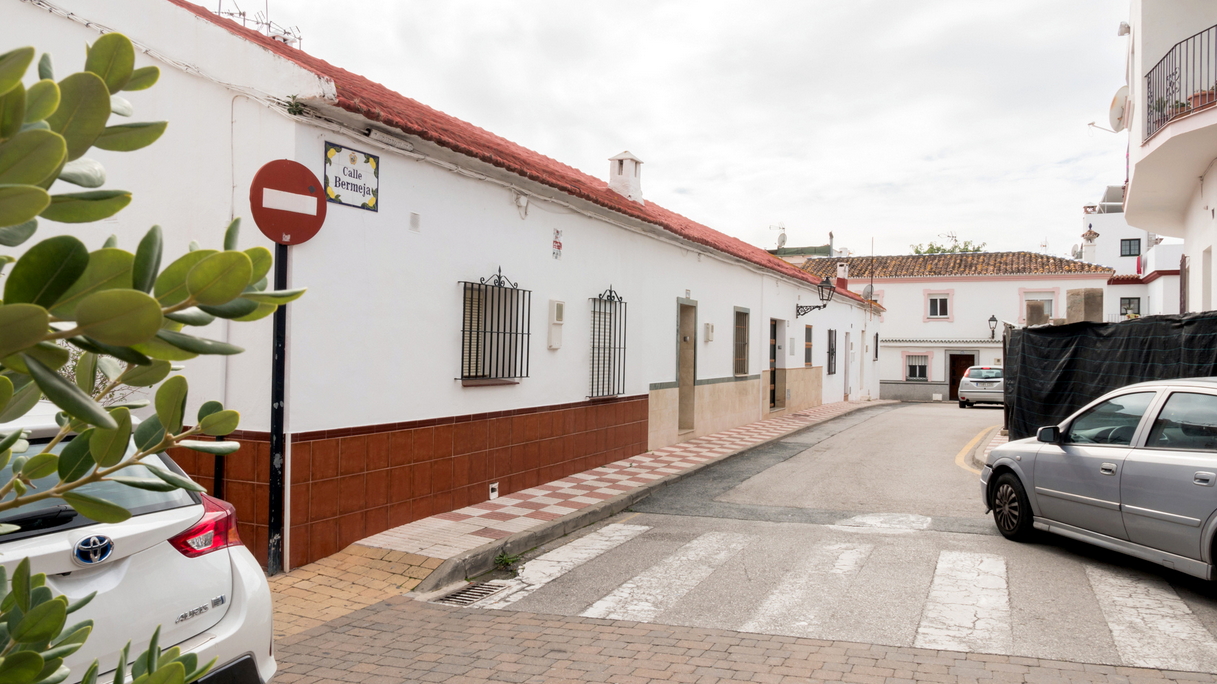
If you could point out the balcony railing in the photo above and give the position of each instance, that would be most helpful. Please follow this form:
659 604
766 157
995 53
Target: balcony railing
1184 81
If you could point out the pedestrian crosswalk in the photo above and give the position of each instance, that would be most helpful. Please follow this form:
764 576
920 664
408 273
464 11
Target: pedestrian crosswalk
956 592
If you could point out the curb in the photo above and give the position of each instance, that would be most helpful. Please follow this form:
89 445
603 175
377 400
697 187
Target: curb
480 560
977 457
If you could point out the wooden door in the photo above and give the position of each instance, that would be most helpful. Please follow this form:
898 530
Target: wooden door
959 366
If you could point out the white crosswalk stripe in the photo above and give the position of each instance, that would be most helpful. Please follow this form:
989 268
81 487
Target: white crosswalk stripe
542 570
798 606
647 595
1151 625
968 608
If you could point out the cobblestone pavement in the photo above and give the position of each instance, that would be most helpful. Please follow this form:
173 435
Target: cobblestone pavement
396 561
403 640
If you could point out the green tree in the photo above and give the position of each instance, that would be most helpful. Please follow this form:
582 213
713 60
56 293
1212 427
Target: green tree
955 247
119 314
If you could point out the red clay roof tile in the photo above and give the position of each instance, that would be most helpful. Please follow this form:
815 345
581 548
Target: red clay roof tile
966 264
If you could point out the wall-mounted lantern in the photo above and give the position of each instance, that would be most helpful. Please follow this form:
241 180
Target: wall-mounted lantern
993 327
826 289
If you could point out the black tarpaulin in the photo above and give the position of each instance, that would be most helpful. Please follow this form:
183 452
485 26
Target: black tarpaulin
1052 371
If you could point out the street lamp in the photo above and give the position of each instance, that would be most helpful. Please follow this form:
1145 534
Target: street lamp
826 289
993 327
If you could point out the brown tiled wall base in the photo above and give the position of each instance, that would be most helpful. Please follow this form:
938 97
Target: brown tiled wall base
345 486
347 581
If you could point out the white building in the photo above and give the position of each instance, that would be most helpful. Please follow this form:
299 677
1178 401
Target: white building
1146 280
479 315
944 312
1170 113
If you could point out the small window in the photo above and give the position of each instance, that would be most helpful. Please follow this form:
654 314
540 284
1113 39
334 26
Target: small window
1130 247
1045 297
741 342
608 345
1187 421
1130 306
832 353
807 345
876 346
938 306
496 330
916 367
1112 422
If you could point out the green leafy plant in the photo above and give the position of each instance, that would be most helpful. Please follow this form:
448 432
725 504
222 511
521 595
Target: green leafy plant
506 561
956 247
117 317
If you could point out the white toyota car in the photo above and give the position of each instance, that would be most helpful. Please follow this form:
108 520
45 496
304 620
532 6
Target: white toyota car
177 562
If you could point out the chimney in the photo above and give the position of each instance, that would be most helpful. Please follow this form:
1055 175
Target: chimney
625 176
843 275
1088 246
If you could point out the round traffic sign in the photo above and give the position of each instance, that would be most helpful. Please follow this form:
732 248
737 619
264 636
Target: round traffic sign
287 201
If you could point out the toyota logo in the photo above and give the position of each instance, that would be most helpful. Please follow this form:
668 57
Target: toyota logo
94 549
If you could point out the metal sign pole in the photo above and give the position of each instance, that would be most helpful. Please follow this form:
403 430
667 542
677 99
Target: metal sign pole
278 450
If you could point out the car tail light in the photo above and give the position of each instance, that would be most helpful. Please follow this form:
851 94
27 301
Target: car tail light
216 530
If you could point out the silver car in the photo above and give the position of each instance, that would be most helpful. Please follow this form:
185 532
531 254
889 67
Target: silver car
1133 471
982 385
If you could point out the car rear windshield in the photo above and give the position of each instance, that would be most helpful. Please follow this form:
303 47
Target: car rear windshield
985 374
53 515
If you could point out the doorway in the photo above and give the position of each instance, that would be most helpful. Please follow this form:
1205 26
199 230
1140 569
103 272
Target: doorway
849 357
777 376
686 364
958 364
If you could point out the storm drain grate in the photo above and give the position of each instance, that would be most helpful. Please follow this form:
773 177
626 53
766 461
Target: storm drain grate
471 594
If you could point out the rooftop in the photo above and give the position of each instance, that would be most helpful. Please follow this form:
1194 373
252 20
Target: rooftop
966 264
376 103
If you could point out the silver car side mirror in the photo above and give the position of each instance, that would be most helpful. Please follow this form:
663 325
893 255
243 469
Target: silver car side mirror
1050 434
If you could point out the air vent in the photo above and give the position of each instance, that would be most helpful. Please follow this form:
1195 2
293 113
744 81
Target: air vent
471 594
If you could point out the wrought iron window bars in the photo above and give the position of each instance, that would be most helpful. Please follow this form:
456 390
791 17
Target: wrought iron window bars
608 344
496 329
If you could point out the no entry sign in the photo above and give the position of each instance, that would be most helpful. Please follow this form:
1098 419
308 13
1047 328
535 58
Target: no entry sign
287 201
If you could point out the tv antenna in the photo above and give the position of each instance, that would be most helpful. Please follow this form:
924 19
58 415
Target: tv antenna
261 22
782 236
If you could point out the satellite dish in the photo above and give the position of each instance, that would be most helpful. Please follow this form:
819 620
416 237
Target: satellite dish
1076 252
868 292
781 240
1119 104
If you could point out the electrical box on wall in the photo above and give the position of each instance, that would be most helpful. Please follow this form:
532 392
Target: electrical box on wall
709 332
557 315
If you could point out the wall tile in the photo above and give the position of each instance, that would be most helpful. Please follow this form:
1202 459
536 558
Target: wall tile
378 451
443 441
300 503
399 514
261 504
351 490
302 459
240 465
353 455
478 472
350 529
377 493
422 480
401 485
424 444
401 447
470 437
262 463
323 538
375 520
324 502
325 459
298 541
499 432
441 476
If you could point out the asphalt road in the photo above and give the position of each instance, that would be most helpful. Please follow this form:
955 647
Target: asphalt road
865 529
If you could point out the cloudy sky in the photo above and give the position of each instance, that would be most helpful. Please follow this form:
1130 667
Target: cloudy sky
896 120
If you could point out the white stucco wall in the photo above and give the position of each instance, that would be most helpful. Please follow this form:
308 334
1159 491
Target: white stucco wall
377 337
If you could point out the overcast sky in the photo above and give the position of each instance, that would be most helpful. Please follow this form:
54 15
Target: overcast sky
896 120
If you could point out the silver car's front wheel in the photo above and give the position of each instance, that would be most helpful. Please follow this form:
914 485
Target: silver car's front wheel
1011 510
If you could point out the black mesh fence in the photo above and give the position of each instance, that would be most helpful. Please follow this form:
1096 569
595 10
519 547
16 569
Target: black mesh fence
1052 371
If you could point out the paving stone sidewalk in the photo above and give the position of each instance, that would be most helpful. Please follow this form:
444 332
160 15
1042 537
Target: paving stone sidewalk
398 560
403 640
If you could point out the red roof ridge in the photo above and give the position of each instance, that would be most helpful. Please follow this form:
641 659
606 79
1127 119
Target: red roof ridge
376 102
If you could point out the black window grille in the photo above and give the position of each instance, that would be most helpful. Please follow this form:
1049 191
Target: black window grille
916 367
876 346
496 330
832 353
807 345
1130 247
608 344
741 343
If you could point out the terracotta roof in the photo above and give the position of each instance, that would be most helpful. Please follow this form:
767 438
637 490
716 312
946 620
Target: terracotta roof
1090 234
375 102
967 264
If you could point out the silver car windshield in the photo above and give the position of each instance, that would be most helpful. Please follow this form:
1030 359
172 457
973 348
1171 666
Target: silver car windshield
52 514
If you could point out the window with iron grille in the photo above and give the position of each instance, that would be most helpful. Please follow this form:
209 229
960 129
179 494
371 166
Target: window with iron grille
916 367
876 346
1130 247
832 353
807 345
741 342
496 329
608 345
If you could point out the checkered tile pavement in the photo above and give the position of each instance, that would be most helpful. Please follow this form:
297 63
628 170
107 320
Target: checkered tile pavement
449 534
